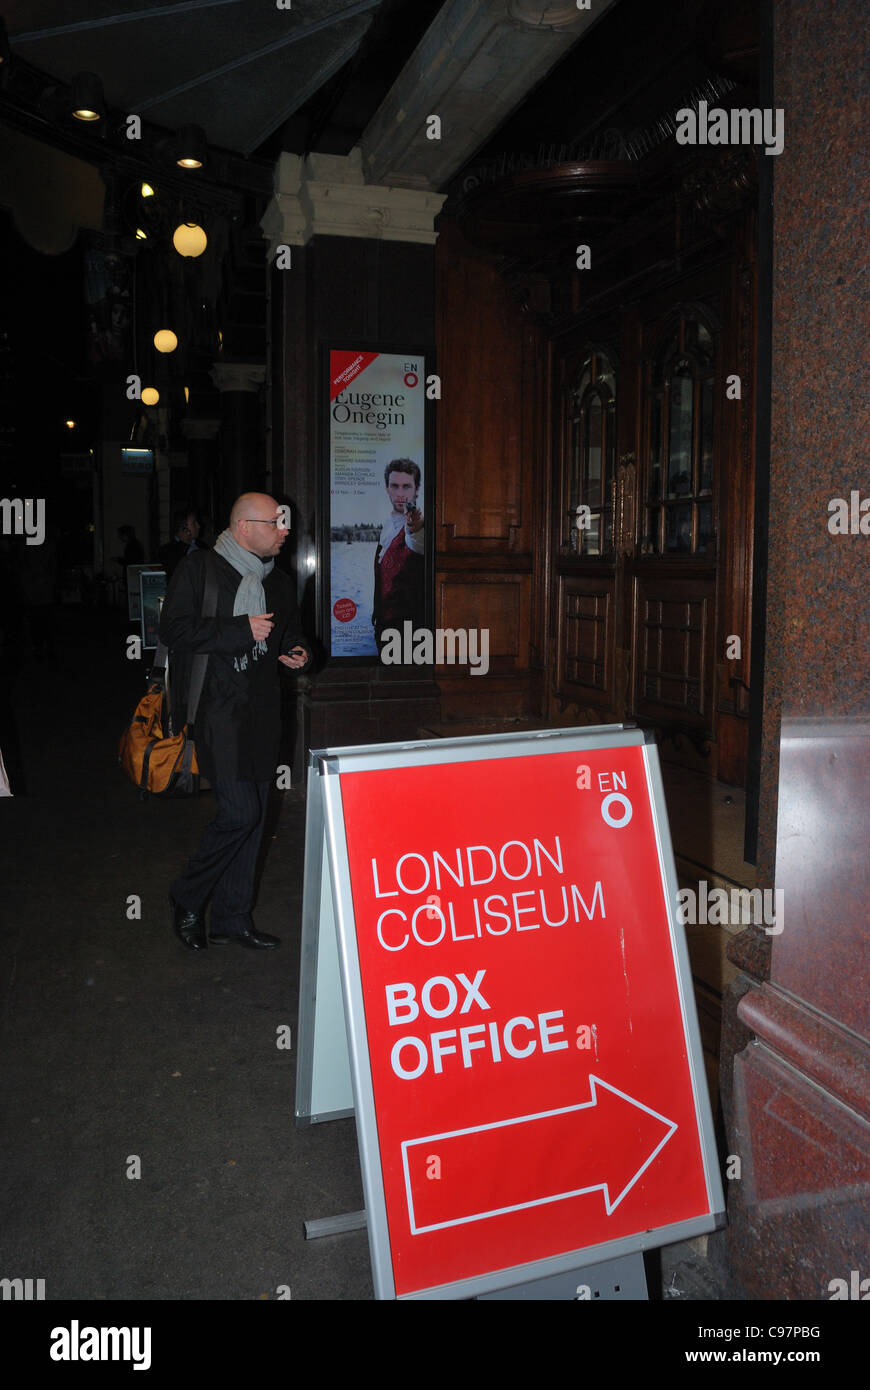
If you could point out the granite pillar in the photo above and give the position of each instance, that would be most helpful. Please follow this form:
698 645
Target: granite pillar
352 262
795 1042
243 466
202 460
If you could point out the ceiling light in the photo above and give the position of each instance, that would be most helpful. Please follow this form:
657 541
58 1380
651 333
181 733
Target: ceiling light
165 340
190 147
70 424
141 235
150 395
146 191
86 97
189 239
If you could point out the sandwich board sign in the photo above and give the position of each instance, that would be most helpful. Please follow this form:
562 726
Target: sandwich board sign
520 1034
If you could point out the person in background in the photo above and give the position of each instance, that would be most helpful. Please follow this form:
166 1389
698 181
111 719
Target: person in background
185 535
133 552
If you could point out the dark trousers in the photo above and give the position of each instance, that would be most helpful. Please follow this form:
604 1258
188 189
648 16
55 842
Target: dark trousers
224 865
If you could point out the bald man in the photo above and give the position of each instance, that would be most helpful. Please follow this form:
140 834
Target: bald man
256 631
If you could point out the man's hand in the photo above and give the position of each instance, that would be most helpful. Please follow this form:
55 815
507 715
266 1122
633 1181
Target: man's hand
298 657
414 520
261 627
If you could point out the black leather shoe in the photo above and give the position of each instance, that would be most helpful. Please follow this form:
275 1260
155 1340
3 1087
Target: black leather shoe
259 940
188 926
253 939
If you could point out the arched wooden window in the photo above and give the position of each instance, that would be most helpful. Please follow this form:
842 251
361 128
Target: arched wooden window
679 504
591 442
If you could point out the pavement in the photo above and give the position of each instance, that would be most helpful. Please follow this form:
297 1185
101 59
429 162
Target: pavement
148 1146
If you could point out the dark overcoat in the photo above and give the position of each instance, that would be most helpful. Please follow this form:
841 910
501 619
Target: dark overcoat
238 723
172 554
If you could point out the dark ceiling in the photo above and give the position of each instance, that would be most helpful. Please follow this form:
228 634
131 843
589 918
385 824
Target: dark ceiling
257 78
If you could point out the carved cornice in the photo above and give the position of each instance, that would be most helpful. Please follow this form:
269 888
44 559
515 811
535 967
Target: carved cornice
722 184
238 376
327 195
284 221
545 14
529 213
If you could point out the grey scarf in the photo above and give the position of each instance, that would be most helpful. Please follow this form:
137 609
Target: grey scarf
250 595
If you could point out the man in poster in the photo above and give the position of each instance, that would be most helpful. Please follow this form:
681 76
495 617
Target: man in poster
399 564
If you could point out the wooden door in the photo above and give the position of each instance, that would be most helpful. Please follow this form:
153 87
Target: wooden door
634 574
589 550
673 572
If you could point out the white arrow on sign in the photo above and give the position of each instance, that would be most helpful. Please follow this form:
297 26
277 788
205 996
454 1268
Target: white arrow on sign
601 1145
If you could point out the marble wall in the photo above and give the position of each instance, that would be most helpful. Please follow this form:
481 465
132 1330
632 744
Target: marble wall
818 614
795 1049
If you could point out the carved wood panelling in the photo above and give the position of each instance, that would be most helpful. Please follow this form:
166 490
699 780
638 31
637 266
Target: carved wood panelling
585 634
625 508
488 380
673 675
499 603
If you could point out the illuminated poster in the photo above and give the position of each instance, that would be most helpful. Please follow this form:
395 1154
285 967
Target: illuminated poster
377 531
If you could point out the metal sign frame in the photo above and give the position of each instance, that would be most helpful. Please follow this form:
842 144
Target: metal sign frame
331 765
324 1089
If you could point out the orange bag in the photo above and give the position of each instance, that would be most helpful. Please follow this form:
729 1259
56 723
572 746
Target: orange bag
166 765
157 765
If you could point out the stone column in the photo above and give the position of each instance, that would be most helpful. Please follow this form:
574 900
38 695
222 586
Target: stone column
202 458
243 465
799 1115
361 268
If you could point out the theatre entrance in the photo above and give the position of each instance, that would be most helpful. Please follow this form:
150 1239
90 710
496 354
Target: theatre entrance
654 514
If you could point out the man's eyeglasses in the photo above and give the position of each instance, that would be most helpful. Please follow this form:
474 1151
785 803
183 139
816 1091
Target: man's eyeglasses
262 520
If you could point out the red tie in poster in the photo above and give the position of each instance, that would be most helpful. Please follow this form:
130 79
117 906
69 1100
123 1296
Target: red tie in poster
530 1068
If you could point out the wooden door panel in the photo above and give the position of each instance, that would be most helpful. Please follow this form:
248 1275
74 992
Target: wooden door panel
500 604
586 636
673 649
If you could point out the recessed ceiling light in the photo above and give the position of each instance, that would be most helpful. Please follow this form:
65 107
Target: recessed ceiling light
191 148
86 97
